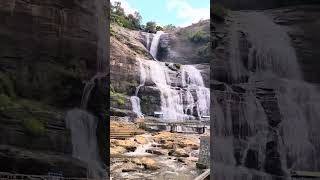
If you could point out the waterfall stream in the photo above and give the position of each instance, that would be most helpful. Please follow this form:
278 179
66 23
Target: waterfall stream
82 124
155 44
178 103
84 141
268 130
135 100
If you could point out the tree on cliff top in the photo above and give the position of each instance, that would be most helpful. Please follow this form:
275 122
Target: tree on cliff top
151 27
118 16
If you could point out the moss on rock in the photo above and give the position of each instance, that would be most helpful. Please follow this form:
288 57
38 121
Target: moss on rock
34 127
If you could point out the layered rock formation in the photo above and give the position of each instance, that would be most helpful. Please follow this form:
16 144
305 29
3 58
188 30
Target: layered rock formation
263 93
130 59
257 4
48 50
177 47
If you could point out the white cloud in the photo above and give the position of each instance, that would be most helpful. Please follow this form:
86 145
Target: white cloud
128 9
187 12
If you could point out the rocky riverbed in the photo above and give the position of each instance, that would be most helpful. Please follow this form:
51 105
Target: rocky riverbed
154 155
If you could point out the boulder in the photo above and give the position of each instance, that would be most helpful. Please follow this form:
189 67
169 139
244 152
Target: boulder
149 163
129 145
117 150
179 152
156 151
140 139
150 100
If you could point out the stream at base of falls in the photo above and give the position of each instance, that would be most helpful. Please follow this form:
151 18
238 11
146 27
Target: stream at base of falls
170 167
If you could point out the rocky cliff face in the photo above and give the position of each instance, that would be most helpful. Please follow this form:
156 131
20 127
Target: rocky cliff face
126 45
130 56
48 50
178 47
302 24
257 4
257 92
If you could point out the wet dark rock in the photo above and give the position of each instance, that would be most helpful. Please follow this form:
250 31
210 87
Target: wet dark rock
178 48
156 151
252 159
150 100
23 161
301 23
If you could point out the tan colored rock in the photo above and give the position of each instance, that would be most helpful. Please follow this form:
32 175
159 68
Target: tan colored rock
157 151
189 143
148 163
169 145
141 139
129 145
117 150
129 167
179 152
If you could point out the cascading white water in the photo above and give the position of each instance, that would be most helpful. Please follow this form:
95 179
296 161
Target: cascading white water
135 100
84 141
171 99
82 124
147 36
273 65
155 44
176 103
192 78
136 108
141 149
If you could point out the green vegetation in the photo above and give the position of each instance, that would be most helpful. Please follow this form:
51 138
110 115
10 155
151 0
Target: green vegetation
169 27
199 36
204 50
133 21
5 101
6 85
34 127
219 12
133 83
151 27
118 16
178 66
159 28
119 98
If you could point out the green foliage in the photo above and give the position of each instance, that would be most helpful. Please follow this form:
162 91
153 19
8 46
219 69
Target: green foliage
169 27
6 85
117 15
178 66
199 36
204 50
5 101
219 12
34 127
119 98
159 28
151 27
133 83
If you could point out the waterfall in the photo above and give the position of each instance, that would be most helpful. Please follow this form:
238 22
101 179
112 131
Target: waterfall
155 44
84 141
177 103
101 62
82 124
171 99
147 36
270 129
192 78
135 100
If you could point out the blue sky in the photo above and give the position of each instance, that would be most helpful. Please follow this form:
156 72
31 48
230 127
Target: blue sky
177 12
